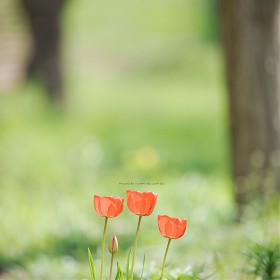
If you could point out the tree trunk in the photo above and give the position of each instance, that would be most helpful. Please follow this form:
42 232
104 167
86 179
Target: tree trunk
44 16
251 37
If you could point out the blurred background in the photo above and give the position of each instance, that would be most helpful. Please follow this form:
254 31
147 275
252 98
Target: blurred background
176 97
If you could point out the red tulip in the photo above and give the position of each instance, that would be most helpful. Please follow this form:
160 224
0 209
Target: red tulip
108 206
172 228
141 203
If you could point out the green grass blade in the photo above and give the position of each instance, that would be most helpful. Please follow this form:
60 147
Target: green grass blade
91 264
127 265
119 275
143 265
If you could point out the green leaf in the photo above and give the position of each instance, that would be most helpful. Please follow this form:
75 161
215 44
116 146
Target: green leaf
119 275
91 264
127 265
143 265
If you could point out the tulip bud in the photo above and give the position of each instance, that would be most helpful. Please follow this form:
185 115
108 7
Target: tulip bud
113 245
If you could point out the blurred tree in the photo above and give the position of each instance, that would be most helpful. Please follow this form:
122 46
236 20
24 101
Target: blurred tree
44 16
251 36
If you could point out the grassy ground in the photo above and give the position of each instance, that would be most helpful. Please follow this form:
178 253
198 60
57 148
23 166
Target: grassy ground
145 104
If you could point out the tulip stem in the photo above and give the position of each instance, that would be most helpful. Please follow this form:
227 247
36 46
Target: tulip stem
111 266
103 248
135 246
164 259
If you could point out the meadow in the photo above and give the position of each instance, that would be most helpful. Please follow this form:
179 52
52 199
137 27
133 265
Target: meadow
146 109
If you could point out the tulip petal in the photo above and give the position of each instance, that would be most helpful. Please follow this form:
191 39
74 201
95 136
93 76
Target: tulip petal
96 202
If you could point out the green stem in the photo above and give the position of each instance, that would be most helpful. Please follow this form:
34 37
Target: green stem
164 259
103 248
111 266
134 247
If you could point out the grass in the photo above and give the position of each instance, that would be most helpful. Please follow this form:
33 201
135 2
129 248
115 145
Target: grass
263 261
145 103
